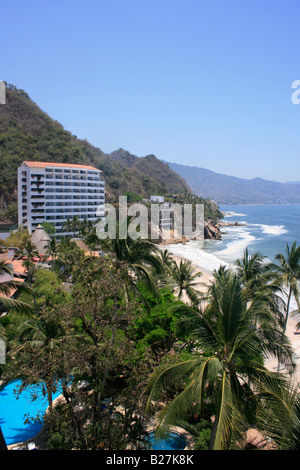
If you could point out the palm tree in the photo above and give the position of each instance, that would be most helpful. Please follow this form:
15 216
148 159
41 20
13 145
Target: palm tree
68 255
168 265
31 252
289 275
226 366
282 422
185 279
288 272
85 227
141 256
7 286
67 226
44 334
92 240
75 224
52 249
259 281
250 269
167 260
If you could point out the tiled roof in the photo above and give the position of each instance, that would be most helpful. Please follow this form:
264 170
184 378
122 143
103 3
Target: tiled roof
66 165
18 267
12 290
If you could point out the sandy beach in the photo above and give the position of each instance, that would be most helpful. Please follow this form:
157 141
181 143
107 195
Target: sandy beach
205 277
271 363
294 338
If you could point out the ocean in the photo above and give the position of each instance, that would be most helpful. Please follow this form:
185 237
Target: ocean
265 228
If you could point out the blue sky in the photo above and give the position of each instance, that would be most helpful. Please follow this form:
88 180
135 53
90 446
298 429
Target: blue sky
197 82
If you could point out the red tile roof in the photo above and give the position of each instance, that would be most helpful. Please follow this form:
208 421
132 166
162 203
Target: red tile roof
18 267
12 290
67 165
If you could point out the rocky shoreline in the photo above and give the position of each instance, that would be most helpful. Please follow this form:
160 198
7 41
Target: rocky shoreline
212 231
231 224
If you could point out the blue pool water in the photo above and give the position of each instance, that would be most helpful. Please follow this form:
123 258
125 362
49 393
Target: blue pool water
14 411
173 441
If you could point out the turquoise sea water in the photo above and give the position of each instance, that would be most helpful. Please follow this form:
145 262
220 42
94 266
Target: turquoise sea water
266 228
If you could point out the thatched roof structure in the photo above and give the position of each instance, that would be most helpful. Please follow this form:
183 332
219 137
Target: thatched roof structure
40 239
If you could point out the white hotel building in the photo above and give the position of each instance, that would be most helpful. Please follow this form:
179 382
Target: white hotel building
55 192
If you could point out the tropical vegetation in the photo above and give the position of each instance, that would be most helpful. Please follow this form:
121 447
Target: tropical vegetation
109 329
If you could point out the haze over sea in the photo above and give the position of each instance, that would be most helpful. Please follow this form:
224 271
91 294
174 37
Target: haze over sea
267 228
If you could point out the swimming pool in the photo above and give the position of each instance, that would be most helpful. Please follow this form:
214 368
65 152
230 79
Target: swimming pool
173 441
14 410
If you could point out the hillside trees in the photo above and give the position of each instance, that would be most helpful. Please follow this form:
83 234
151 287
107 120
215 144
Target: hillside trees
87 335
28 133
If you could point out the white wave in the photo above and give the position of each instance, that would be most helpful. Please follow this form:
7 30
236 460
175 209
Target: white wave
194 252
235 242
236 248
233 214
272 229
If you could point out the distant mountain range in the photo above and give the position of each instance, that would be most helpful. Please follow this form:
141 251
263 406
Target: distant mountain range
226 189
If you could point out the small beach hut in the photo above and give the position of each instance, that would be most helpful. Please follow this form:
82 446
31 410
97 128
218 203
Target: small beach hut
40 239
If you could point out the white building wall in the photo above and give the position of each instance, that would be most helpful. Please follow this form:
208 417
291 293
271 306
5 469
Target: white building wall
157 198
56 194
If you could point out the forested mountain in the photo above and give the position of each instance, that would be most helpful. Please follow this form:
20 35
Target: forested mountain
28 133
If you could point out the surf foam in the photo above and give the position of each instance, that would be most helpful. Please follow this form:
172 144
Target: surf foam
233 214
194 252
235 249
272 229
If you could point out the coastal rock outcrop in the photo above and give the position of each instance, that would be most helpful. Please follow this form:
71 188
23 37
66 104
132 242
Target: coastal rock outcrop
212 230
232 224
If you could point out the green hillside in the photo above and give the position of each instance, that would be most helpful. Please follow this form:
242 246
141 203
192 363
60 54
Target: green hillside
28 133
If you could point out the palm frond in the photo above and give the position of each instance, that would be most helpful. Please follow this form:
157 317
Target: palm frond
165 375
229 426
